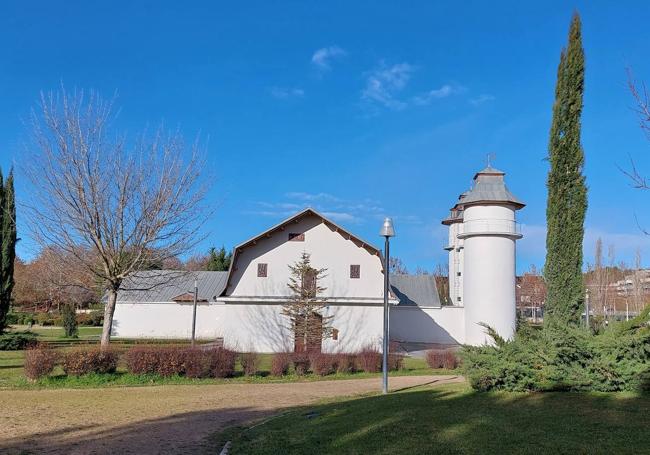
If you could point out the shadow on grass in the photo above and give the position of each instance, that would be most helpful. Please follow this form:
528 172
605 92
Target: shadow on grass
445 419
178 434
455 420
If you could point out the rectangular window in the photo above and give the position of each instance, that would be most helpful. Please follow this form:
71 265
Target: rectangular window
262 270
335 334
355 271
458 273
296 237
458 298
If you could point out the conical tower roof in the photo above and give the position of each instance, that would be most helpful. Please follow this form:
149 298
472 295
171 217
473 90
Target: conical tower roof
489 186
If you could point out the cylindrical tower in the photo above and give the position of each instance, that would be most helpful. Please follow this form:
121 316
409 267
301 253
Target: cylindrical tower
488 235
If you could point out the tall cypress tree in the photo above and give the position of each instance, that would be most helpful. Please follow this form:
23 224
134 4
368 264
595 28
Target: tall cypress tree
7 245
567 191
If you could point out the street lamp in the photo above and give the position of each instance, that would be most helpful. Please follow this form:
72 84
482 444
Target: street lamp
387 231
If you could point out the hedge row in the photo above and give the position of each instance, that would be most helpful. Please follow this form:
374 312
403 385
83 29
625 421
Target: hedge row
93 319
197 362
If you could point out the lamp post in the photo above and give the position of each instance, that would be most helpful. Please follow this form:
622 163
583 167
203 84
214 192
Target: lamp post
196 292
387 231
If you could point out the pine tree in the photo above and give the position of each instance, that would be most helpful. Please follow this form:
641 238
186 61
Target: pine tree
218 261
69 320
305 307
567 191
7 245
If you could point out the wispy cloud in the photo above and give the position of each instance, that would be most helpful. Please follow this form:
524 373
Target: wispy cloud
384 83
287 92
323 57
484 98
333 207
302 196
436 94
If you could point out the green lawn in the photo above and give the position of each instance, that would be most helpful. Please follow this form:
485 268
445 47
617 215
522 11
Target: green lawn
454 419
11 375
55 333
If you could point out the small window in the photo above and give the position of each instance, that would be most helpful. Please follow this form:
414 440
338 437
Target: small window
458 298
296 237
458 273
335 334
355 271
262 270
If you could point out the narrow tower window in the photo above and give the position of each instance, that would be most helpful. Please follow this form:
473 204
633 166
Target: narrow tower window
262 269
355 271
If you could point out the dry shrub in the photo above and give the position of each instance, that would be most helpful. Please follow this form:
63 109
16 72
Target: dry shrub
346 363
323 364
222 362
39 361
280 364
395 362
142 360
86 361
442 358
300 362
197 363
171 361
369 360
250 362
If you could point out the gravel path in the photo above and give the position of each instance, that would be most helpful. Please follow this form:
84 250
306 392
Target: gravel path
156 420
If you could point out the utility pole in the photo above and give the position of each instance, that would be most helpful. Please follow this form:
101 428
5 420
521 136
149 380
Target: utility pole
196 293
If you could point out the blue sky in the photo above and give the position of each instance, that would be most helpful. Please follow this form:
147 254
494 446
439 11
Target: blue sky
359 109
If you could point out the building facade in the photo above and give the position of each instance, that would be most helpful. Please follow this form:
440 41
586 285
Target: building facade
243 306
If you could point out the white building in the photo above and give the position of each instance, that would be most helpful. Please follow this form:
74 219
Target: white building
244 305
482 235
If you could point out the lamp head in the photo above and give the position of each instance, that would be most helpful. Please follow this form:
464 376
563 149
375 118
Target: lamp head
387 230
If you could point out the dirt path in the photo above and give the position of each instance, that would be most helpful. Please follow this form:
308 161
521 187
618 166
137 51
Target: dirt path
156 420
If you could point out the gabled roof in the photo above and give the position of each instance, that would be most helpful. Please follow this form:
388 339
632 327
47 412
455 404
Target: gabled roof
415 290
295 218
171 286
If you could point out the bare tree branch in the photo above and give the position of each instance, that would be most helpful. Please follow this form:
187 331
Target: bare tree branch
111 204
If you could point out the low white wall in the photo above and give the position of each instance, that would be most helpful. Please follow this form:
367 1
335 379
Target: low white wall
413 324
245 327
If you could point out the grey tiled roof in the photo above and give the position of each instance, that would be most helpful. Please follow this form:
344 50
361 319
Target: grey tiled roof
489 186
164 285
418 290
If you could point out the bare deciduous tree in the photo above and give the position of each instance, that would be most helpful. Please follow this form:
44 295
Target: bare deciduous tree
110 203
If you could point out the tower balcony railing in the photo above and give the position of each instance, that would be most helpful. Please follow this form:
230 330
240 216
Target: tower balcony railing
494 226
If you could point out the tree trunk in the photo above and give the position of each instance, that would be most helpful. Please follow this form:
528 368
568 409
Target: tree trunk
109 310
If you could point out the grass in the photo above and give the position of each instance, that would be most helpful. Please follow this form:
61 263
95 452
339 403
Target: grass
11 375
454 419
56 333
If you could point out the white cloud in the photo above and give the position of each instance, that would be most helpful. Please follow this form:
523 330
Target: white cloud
484 98
335 208
322 57
383 84
287 92
439 93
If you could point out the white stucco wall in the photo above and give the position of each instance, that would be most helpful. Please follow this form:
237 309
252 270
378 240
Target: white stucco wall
245 327
489 275
328 248
444 325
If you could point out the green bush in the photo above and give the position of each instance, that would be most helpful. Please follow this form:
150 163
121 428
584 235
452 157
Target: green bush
69 320
44 319
17 341
20 318
564 359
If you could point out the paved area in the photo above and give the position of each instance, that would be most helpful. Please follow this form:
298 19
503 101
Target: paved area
157 420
